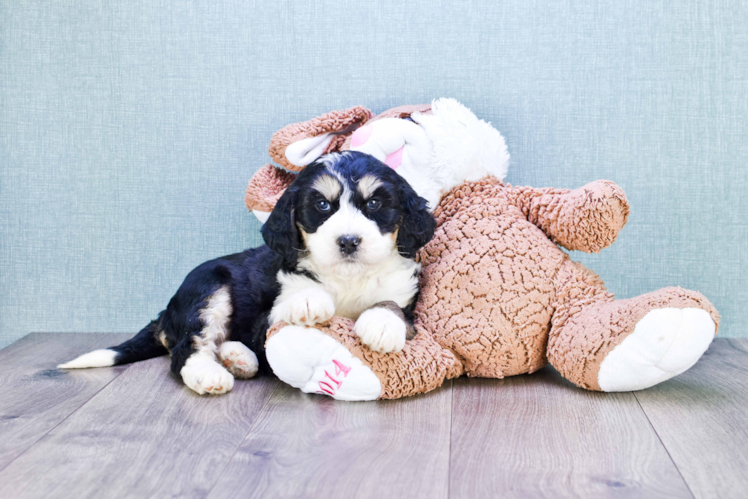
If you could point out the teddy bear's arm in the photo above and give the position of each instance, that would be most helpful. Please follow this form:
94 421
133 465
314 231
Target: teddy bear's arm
587 219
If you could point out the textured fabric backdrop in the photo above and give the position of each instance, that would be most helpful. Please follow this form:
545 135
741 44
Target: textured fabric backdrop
128 130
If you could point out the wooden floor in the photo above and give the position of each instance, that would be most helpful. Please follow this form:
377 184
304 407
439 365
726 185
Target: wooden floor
135 431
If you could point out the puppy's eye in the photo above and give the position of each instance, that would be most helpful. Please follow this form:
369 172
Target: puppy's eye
373 204
323 205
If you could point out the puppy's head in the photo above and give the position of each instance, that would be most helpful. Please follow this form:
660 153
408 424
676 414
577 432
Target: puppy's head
346 213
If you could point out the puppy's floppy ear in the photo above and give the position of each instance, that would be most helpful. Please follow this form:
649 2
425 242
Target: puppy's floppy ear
280 232
418 225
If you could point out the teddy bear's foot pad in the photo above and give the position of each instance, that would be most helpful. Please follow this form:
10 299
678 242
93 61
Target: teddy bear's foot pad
311 361
664 343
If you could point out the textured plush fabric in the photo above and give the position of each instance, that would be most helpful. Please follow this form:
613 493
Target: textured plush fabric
128 130
588 323
422 365
396 112
268 184
499 298
342 122
265 188
586 219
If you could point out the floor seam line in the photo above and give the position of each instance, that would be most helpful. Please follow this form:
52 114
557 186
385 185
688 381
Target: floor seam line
63 420
251 428
688 486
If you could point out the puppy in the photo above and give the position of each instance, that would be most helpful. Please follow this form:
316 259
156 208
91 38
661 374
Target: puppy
341 240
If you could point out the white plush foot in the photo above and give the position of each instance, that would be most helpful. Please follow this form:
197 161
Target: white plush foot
311 361
381 330
238 359
204 375
307 307
664 343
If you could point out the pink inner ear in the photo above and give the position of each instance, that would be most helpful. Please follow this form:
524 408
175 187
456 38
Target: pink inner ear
395 159
361 135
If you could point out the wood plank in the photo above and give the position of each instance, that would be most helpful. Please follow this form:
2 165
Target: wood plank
145 435
701 417
35 396
539 436
311 446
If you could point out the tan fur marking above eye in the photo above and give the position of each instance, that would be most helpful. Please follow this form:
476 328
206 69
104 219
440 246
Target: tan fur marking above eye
367 185
328 186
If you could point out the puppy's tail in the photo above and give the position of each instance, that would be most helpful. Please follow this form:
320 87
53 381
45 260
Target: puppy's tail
144 345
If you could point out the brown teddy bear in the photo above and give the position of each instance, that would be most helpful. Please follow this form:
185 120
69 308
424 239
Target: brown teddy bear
498 295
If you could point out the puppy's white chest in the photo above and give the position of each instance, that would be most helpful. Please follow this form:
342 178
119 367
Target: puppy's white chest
352 296
395 280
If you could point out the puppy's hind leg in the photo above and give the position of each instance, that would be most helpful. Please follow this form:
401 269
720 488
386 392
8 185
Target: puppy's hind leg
238 359
194 357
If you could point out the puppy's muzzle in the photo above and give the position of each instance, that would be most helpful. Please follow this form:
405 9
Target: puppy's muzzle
348 244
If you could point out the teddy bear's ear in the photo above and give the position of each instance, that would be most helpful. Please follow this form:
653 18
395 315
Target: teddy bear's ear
265 189
299 144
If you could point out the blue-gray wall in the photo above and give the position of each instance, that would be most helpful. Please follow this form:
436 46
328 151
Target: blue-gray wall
128 130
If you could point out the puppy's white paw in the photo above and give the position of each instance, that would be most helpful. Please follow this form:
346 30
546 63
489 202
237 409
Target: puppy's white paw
238 359
204 375
308 307
381 330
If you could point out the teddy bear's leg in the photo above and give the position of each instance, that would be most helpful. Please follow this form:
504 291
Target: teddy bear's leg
309 360
332 361
626 345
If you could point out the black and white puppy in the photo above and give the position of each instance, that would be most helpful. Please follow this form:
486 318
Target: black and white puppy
340 241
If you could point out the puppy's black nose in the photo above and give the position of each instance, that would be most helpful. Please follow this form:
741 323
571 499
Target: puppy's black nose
348 244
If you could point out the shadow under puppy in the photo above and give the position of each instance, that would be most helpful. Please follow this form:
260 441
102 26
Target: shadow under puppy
340 241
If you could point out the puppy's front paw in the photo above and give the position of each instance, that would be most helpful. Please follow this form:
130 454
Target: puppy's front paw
204 375
305 308
381 330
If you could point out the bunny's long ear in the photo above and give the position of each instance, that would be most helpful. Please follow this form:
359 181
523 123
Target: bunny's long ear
265 189
299 144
